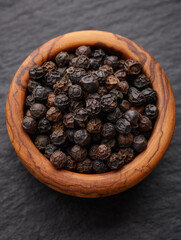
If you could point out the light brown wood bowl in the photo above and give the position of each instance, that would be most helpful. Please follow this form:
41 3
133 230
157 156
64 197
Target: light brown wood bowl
91 185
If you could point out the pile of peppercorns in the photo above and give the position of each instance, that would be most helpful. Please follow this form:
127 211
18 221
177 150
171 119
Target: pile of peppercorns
89 111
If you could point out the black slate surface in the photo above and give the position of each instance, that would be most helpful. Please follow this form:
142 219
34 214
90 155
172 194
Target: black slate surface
30 210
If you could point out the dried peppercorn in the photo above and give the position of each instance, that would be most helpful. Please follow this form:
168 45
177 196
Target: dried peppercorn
151 111
81 117
89 83
121 74
98 53
139 143
124 105
107 69
28 113
123 86
62 101
100 75
141 81
111 61
50 99
49 150
125 140
93 106
132 67
61 71
53 114
36 72
114 116
150 95
38 110
52 77
108 130
139 109
44 125
58 137
41 142
75 92
62 85
121 64
40 94
109 142
68 120
95 96
82 61
94 125
85 166
58 159
108 102
32 85
70 134
115 162
145 123
49 66
70 164
92 152
30 100
95 63
123 126
83 50
76 74
132 116
75 105
29 125
78 153
136 97
58 125
103 152
118 94
62 59
102 91
111 82
127 154
99 166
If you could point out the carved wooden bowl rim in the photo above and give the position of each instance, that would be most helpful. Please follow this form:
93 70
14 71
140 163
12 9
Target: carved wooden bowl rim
91 185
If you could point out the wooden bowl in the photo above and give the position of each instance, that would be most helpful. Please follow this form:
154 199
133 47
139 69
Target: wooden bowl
93 185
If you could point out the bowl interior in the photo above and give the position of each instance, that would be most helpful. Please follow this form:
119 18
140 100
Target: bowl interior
93 185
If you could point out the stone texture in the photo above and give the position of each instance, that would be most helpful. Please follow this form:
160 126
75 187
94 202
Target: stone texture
30 210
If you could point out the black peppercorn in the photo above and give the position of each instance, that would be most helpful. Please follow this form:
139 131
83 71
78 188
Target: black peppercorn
58 159
29 125
108 70
32 85
145 123
30 100
109 142
49 150
62 101
51 78
82 62
136 97
108 102
132 67
36 72
83 50
103 152
62 59
115 115
92 152
121 75
70 134
78 153
76 74
68 120
38 110
111 61
93 106
99 166
123 126
123 86
49 66
75 92
151 111
85 166
82 137
102 91
98 53
58 137
95 63
75 105
28 113
53 114
94 125
111 82
139 109
81 117
89 83
41 142
115 162
40 94
150 95
125 140
132 116
70 164
44 125
61 71
62 85
108 130
50 99
139 143
141 81
100 75
127 154
118 94
58 125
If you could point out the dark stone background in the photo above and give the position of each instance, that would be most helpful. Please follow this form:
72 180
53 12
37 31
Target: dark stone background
30 210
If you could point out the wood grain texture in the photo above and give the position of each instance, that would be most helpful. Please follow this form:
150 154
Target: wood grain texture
94 185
